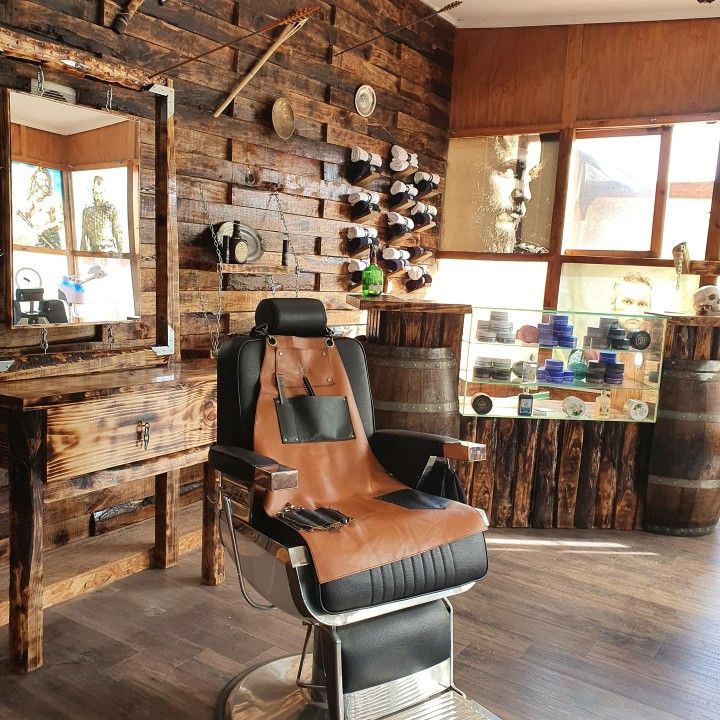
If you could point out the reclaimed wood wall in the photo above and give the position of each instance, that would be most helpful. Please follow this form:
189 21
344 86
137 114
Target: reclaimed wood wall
236 160
564 474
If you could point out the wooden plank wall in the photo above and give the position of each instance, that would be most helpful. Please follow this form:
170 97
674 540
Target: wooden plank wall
548 473
236 160
584 75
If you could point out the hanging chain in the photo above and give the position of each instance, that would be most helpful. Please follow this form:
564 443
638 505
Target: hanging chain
110 336
214 334
109 98
40 81
275 194
44 344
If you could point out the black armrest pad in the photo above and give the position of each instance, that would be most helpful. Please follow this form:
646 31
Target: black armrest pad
246 465
404 453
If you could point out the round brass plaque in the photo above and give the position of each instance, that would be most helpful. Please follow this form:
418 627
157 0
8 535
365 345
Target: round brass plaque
283 118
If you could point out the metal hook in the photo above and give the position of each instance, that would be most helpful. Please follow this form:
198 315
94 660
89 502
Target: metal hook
40 80
44 344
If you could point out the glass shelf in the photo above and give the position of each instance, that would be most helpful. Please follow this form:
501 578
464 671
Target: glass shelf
577 386
642 368
543 410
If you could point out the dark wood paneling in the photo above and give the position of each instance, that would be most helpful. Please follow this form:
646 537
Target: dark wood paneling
674 69
508 77
569 75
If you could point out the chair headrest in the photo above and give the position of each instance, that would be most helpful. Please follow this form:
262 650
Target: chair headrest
301 317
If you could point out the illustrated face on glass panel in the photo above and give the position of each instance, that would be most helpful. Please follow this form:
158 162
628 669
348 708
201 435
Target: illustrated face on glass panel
503 190
499 194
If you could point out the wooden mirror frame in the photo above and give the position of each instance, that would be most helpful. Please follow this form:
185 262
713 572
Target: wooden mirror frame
83 356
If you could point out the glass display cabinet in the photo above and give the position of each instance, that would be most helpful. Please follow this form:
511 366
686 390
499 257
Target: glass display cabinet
561 365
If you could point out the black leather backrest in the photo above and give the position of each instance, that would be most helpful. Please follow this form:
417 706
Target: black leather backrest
239 362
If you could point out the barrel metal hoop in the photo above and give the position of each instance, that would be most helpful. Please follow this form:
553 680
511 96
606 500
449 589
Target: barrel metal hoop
694 416
681 532
704 484
699 376
377 361
406 407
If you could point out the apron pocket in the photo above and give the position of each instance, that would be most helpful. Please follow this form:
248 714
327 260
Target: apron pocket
314 418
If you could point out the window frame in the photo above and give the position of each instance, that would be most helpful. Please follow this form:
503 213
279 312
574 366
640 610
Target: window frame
708 268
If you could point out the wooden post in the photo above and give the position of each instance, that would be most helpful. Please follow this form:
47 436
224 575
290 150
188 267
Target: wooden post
167 542
27 440
569 473
213 560
6 214
167 272
545 487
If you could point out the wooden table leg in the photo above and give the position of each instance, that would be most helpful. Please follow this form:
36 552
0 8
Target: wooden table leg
27 438
167 542
213 560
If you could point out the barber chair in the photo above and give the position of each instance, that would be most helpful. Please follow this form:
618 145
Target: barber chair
379 634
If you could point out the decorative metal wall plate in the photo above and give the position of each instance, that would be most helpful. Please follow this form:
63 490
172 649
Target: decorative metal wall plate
365 100
254 242
283 118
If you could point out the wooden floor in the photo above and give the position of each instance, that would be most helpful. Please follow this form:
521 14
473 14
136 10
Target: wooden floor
568 625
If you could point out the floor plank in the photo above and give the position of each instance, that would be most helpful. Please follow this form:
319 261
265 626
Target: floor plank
568 625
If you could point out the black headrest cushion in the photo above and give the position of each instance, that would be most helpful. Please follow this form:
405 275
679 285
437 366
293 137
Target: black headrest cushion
302 317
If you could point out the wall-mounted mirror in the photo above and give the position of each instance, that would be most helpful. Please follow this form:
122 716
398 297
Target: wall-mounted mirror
75 213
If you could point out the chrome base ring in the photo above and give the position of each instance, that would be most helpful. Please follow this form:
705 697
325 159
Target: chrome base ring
270 692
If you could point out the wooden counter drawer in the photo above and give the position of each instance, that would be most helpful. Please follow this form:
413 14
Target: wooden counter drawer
97 434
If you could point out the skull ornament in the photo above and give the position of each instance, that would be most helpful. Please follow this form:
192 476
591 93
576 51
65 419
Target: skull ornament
706 300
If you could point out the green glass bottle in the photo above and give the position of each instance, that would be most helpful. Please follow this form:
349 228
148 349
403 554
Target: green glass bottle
372 276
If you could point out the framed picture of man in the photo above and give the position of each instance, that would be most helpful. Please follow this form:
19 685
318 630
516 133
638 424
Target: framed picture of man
100 210
37 199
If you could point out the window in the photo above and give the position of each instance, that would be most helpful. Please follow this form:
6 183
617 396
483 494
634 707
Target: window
693 163
611 193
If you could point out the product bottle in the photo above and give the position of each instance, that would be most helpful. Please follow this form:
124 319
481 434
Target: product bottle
372 276
529 371
525 403
602 405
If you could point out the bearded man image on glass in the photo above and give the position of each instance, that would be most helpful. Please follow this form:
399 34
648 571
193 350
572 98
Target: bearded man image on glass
502 194
101 229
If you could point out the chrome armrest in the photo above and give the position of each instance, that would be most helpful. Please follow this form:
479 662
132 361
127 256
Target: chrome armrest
250 467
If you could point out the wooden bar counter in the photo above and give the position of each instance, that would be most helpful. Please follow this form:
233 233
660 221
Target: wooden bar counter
72 435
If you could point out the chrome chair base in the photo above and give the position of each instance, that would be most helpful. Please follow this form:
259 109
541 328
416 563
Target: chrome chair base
270 692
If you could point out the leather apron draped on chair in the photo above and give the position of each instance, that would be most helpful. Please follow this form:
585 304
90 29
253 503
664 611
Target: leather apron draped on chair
343 474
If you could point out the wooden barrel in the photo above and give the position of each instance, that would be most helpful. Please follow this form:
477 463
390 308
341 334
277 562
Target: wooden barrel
683 496
414 388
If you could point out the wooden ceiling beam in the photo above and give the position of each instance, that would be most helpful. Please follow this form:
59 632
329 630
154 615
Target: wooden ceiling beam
75 62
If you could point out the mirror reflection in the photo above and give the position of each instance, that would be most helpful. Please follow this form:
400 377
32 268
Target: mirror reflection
75 206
